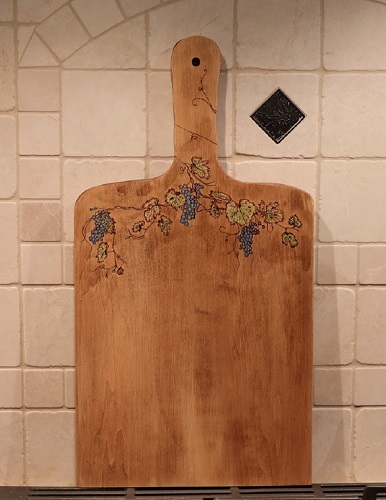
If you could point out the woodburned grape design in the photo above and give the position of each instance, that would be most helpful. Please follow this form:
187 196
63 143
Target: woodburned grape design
245 219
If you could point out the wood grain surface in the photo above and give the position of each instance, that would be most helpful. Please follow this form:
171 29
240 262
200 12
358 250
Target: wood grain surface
193 355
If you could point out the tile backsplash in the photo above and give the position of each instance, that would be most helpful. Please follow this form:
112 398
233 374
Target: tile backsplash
85 98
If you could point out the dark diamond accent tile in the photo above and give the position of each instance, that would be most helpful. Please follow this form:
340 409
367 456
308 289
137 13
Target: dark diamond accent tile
278 116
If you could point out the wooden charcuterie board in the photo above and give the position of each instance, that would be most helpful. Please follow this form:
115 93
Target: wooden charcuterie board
193 315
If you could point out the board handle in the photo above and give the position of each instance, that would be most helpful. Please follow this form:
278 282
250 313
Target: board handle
195 67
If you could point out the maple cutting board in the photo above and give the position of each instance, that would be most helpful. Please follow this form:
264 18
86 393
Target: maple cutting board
193 315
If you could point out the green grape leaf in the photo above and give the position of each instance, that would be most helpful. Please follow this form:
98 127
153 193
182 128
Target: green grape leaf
289 239
220 197
240 213
272 214
200 167
214 210
175 199
295 222
102 251
164 224
137 226
152 209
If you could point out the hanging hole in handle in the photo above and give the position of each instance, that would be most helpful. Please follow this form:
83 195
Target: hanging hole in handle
196 61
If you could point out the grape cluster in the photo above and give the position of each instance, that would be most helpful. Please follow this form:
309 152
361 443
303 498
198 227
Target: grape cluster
246 238
190 207
103 224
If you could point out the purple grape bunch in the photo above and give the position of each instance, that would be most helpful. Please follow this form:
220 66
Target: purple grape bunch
103 224
246 238
191 205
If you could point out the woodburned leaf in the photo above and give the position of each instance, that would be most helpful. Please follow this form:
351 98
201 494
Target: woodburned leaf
151 203
110 226
151 213
240 213
175 199
295 222
261 208
200 167
102 251
220 197
137 226
214 210
272 214
289 239
164 224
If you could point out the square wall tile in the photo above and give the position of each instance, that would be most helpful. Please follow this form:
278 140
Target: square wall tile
104 113
40 220
68 264
41 264
38 134
7 69
252 90
370 445
9 255
7 156
372 264
333 386
300 174
334 315
370 386
48 432
371 338
11 389
38 90
10 326
43 388
337 264
39 178
80 175
159 167
98 15
6 11
63 33
331 445
354 33
161 121
70 395
171 23
350 190
353 114
224 122
49 326
11 456
278 35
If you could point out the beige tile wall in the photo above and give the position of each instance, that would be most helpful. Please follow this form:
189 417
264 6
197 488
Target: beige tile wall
85 98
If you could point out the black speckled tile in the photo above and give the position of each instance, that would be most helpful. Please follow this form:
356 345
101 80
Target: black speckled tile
278 116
